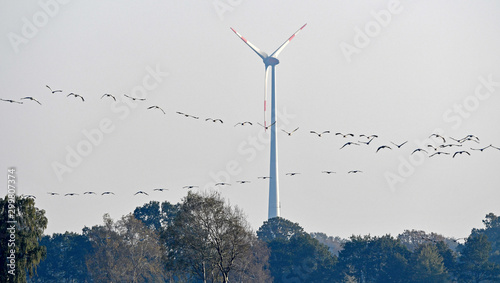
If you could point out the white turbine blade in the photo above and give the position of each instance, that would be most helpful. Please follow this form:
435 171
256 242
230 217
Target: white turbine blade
265 94
277 52
259 52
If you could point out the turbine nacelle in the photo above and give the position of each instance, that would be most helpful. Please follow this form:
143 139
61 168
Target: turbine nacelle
271 61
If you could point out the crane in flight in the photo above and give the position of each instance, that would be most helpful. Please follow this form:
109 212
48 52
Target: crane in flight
243 123
399 145
189 187
134 98
157 107
290 133
214 120
266 127
419 149
438 136
187 115
461 152
76 95
439 153
108 95
11 101
382 147
344 135
319 134
32 99
349 143
53 91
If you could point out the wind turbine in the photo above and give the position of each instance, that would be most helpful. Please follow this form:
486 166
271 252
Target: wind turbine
271 61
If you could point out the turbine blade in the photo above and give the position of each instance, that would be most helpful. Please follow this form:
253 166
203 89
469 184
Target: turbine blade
265 94
259 52
278 51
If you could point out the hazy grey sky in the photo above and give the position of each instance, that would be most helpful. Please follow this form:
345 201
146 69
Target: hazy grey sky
401 70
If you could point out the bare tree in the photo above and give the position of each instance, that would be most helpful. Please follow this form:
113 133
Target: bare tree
253 267
124 251
209 238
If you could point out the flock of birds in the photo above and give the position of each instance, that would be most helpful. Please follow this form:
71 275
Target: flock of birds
451 146
94 193
432 149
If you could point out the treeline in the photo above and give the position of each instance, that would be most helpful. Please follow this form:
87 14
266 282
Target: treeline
204 239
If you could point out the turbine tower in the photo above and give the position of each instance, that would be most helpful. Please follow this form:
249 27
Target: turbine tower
271 61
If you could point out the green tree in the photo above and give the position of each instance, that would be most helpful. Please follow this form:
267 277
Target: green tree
474 264
412 239
492 231
301 259
156 216
208 238
449 258
427 264
415 239
65 261
295 255
278 228
374 259
334 244
24 223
